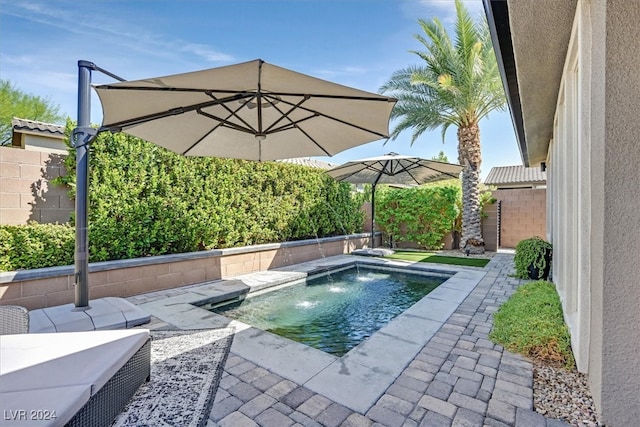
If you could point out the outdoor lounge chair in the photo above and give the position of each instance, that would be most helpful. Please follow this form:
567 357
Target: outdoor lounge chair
68 378
13 320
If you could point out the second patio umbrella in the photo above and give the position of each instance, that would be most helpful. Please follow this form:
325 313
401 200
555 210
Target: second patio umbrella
393 168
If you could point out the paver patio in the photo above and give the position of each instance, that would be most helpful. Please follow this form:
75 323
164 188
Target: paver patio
458 378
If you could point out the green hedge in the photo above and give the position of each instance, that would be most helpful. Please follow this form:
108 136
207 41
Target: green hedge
427 213
35 246
145 200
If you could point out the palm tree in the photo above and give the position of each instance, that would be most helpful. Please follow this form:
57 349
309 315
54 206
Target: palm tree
458 84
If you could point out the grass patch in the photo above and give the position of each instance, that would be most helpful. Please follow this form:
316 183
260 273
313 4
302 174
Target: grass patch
531 323
420 256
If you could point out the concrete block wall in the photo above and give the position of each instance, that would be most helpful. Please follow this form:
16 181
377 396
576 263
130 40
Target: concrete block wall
490 223
47 287
26 191
523 214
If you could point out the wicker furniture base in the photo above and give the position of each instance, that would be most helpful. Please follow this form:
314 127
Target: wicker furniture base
108 402
13 320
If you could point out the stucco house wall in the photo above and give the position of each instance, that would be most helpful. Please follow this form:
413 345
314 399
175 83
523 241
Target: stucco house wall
576 111
595 220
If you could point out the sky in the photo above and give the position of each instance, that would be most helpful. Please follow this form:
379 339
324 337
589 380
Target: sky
358 43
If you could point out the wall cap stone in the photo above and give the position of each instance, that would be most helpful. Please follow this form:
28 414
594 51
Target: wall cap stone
69 270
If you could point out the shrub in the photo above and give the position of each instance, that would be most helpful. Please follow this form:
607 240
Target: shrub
145 200
535 252
423 214
531 323
36 246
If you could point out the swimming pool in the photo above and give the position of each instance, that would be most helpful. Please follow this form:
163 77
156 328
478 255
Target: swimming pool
337 311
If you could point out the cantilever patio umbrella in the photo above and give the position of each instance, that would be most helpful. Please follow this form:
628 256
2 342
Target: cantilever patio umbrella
253 110
393 168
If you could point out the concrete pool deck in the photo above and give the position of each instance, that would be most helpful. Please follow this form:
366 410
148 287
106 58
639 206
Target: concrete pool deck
432 365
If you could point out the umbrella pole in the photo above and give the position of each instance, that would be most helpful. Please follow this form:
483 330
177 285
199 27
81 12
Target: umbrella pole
82 136
373 216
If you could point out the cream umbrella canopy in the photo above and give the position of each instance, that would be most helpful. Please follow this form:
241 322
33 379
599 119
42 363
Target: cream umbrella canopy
393 168
253 111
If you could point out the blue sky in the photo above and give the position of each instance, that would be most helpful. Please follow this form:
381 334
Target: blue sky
358 43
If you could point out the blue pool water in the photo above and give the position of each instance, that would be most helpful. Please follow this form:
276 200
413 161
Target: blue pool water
336 312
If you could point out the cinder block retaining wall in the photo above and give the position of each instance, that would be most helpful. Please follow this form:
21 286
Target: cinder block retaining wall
523 214
26 191
46 287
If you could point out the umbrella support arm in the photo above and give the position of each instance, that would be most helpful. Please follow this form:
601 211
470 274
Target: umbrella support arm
81 139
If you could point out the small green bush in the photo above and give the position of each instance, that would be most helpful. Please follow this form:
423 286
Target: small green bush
531 252
531 323
36 246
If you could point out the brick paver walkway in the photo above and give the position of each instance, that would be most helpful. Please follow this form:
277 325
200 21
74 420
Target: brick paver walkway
459 378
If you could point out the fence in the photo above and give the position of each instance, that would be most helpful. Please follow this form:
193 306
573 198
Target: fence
523 214
26 190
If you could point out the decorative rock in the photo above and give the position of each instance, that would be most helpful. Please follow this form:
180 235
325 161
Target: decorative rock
562 394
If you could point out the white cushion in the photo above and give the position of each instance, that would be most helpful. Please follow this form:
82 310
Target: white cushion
71 362
44 407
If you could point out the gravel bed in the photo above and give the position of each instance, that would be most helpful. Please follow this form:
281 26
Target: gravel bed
562 394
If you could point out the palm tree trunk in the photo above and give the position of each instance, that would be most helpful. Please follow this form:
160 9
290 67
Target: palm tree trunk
470 157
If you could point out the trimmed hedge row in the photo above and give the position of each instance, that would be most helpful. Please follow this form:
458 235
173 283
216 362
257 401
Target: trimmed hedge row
35 246
423 214
145 200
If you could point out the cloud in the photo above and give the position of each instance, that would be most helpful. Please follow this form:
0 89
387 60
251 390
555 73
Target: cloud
208 54
346 71
112 30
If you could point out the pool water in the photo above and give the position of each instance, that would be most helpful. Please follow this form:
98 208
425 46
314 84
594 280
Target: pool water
336 312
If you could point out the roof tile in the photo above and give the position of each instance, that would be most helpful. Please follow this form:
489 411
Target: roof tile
35 126
503 175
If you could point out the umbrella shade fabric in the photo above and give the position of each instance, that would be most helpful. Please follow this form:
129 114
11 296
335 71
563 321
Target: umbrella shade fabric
253 111
394 168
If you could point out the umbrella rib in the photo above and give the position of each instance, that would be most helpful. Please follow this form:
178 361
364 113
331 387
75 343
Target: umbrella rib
318 113
226 123
419 164
408 171
284 115
170 112
292 125
363 167
231 113
221 123
184 153
313 140
381 172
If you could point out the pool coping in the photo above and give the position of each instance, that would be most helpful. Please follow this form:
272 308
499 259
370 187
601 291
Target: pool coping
358 378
